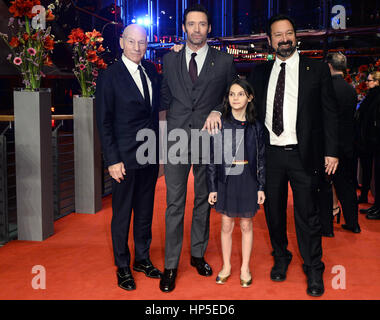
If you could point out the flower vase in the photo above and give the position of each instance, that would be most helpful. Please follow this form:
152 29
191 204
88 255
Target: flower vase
34 166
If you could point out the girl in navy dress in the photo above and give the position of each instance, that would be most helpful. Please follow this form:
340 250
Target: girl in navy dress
236 182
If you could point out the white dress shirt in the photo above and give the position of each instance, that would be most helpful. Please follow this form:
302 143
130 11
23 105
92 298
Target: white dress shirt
288 136
135 73
199 58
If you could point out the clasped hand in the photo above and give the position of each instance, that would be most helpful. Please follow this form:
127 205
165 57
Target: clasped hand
117 171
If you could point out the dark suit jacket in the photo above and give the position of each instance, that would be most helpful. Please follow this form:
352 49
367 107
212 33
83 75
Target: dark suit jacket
367 118
317 113
347 101
189 105
121 112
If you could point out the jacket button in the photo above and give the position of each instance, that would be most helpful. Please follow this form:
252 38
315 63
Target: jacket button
190 125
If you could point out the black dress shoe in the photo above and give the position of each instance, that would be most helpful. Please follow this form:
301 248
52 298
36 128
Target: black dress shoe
355 229
280 267
363 199
315 287
374 215
369 210
125 279
202 266
148 268
328 234
167 282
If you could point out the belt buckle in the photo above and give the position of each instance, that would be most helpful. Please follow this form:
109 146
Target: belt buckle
288 148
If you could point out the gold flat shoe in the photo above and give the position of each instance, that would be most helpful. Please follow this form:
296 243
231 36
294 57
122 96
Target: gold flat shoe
222 280
245 283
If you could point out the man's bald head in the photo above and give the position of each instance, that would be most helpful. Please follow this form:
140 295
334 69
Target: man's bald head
132 28
134 42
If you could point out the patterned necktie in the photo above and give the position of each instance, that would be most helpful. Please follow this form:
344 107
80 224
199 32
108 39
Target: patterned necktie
193 70
278 104
145 86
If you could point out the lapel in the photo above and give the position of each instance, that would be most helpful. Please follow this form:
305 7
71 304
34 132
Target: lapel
266 76
207 73
304 78
130 84
205 76
183 75
153 80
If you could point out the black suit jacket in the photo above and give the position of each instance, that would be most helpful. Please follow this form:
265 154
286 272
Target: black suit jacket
367 123
121 112
317 113
347 101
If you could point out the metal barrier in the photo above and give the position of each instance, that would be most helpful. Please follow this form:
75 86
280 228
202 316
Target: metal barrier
63 172
63 175
8 213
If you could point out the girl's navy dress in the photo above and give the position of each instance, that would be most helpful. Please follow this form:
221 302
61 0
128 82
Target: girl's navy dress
237 194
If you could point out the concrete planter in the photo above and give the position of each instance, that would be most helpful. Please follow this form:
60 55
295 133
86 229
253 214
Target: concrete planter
34 167
87 157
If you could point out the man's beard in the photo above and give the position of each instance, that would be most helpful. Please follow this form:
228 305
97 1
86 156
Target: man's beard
285 52
194 41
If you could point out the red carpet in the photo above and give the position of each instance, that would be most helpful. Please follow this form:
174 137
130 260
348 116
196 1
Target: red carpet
79 263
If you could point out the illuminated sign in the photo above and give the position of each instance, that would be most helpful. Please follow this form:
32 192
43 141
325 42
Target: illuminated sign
339 20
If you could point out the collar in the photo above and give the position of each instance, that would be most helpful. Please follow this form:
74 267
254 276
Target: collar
290 62
201 51
337 76
131 66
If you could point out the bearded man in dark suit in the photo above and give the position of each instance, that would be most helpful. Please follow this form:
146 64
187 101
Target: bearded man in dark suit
295 100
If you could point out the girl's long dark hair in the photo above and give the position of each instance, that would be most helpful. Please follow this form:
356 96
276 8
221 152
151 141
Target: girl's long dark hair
250 112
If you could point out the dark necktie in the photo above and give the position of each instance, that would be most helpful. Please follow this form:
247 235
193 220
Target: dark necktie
278 104
145 86
193 70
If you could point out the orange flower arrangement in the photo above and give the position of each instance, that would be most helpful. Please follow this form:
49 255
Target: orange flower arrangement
48 43
87 48
76 36
30 45
21 8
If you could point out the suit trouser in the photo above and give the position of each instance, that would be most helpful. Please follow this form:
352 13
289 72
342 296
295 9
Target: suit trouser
176 177
282 167
135 192
346 190
377 178
366 164
325 202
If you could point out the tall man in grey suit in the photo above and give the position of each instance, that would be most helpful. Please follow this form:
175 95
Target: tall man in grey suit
195 80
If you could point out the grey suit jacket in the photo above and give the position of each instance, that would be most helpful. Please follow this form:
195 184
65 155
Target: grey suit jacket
189 105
